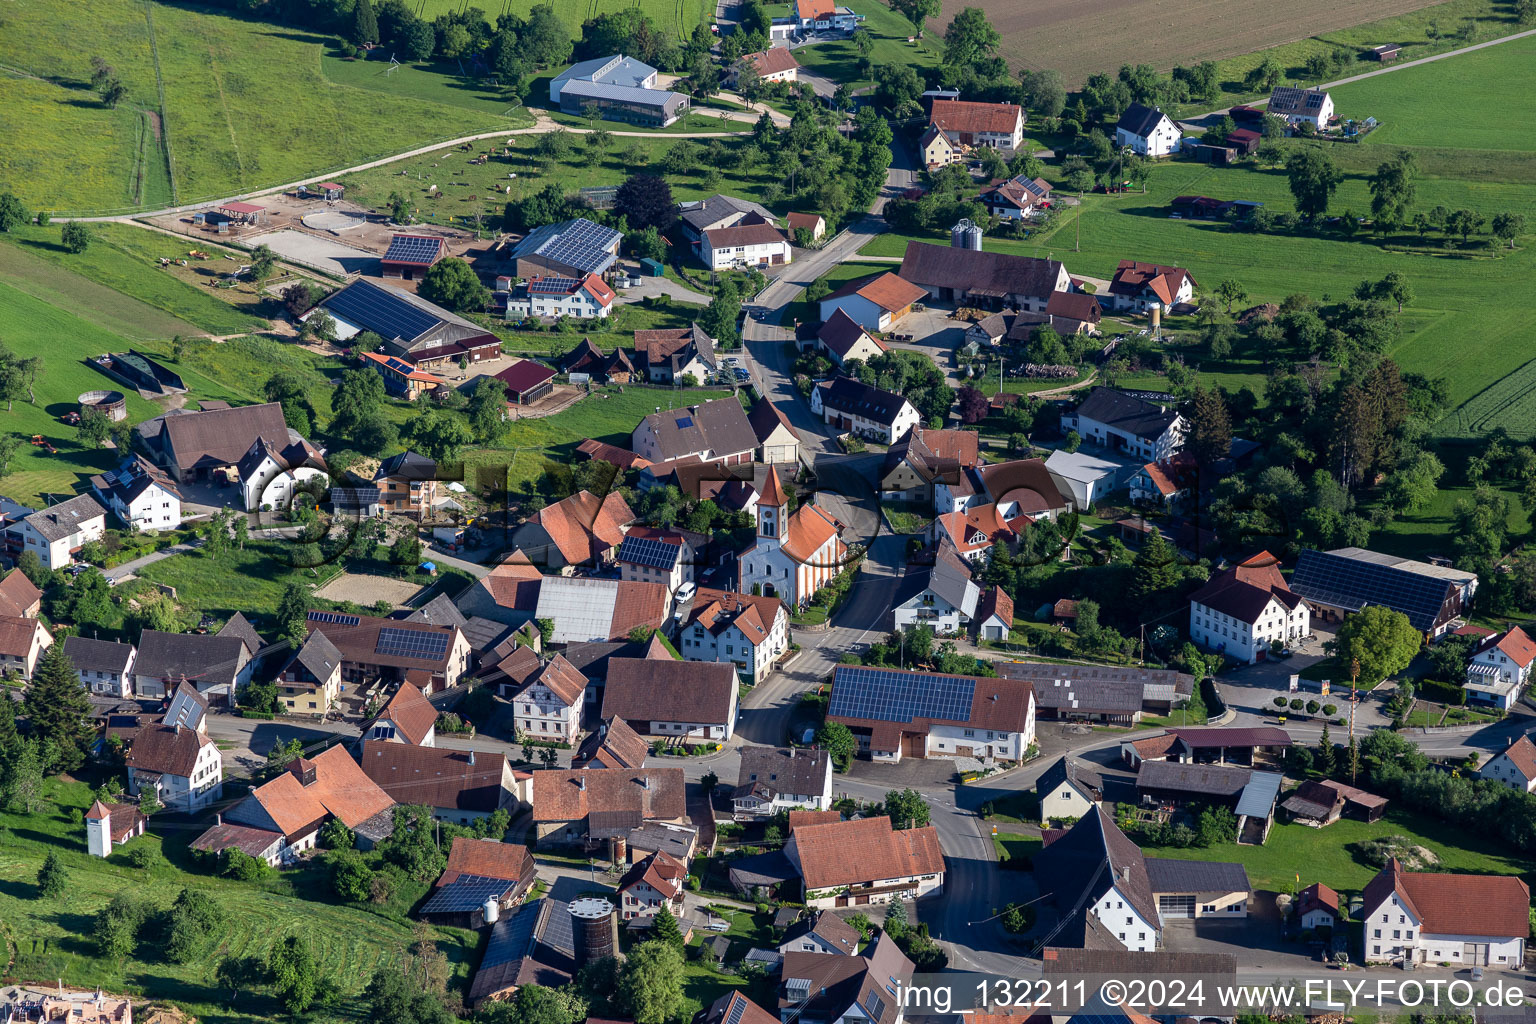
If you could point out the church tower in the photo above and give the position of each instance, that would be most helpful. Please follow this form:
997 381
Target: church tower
772 509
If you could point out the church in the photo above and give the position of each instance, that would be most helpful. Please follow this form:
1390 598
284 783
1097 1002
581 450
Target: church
794 555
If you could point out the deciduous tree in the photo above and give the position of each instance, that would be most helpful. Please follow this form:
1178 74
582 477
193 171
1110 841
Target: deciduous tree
453 284
1313 179
1381 641
295 974
650 985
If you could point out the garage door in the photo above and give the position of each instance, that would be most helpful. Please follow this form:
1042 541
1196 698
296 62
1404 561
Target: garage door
1176 906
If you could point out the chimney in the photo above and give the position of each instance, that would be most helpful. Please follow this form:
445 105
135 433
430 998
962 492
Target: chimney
471 757
218 818
645 783
581 782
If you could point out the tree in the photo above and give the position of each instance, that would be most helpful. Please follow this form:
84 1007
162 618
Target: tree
1464 223
1395 286
1155 574
916 11
1327 756
440 434
1381 641
648 244
365 27
58 709
720 317
351 878
1264 77
664 928
295 975
488 410
1392 193
93 429
1313 179
236 974
52 879
13 213
290 388
906 808
358 397
399 208
896 921
406 550
645 201
838 741
1211 427
453 284
546 39
1507 226
1044 91
10 444
76 237
970 40
973 405
193 918
1231 292
263 263
650 985
118 924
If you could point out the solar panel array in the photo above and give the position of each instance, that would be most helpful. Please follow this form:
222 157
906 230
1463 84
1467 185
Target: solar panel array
335 618
737 1010
886 695
649 551
465 893
413 249
1350 583
684 422
512 936
553 286
373 308
583 245
411 643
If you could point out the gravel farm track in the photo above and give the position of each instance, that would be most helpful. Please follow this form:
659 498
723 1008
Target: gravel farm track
1080 37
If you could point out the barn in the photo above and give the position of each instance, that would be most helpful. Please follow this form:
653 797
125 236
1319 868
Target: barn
527 381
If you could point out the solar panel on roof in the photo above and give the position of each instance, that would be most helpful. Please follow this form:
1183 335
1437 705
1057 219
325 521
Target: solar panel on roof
889 696
465 893
553 286
374 309
649 551
583 245
736 1011
684 422
413 249
335 618
512 935
410 643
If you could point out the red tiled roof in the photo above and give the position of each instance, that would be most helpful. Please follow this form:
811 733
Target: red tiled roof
17 635
753 614
1317 896
166 749
809 529
563 680
340 789
809 9
644 690
865 850
888 291
411 712
1476 905
799 818
583 522
1132 276
809 221
1513 643
967 116
1523 753
524 375
18 596
660 871
657 794
743 234
995 601
612 454
487 858
772 61
981 524
841 333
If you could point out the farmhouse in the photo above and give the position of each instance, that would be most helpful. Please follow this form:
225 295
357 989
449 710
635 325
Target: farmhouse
613 744
854 407
1148 131
1468 920
912 464
618 88
292 807
105 667
1335 583
1500 668
775 64
712 430
650 554
865 862
1298 106
215 665
57 533
698 216
755 244
794 555
920 714
1514 766
991 125
582 529
748 630
1139 286
270 475
667 356
669 698
1126 424
1243 610
569 806
874 303
413 329
409 256
461 786
985 280
651 883
774 779
374 648
586 298
179 765
972 533
548 706
571 248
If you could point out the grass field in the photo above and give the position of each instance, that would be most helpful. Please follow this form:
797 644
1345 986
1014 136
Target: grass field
246 105
52 935
1325 855
674 16
838 60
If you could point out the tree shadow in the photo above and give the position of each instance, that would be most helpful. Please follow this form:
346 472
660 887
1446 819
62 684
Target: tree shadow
42 243
19 890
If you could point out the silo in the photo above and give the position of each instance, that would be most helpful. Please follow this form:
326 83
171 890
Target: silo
965 235
492 910
596 928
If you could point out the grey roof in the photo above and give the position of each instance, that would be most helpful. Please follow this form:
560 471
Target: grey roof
1216 780
1196 876
1259 796
613 70
59 521
483 634
771 868
674 840
829 928
239 626
90 655
1352 578
1096 687
847 395
440 611
407 465
318 656
578 243
1126 413
622 93
701 213
949 577
783 770
1070 769
992 273
395 314
197 657
534 944
1139 119
1081 866
720 427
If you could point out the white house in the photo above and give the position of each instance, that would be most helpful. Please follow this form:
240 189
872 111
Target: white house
270 476
140 494
587 298
651 883
1464 920
56 533
1298 105
824 16
408 718
794 555
874 303
1127 425
1317 906
1514 767
747 630
925 715
1500 669
865 861
105 667
978 125
549 706
1085 477
1069 788
665 698
180 766
1148 131
842 339
774 779
744 245
854 407
1138 287
22 642
941 596
1241 611
775 64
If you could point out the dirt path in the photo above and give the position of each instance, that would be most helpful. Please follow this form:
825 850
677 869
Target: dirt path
1066 388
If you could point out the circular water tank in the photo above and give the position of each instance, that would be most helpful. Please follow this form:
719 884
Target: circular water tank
110 402
593 918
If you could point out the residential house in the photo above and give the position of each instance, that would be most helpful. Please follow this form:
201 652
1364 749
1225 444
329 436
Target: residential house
719 211
421 333
1017 198
895 713
1464 920
140 494
821 932
105 667
570 804
1126 424
875 303
310 684
748 630
613 744
571 248
604 367
972 533
58 532
402 378
1301 106
842 339
1317 908
775 64
1514 766
1335 583
548 706
1318 804
777 442
407 483
774 779
712 430
824 16
1022 487
865 862
484 878
692 699
667 356
979 125
854 407
19 597
794 555
984 280
374 648
1087 478
651 883
22 642
584 298
815 223
654 555
922 456
1148 131
409 257
745 245
408 717
176 761
108 826
942 596
1069 788
582 529
1242 611
1073 313
200 445
1500 669
1168 485
1137 286
534 944
216 665
939 148
292 808
819 988
461 786
994 615
270 476
617 88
